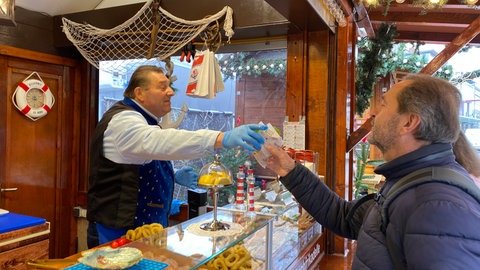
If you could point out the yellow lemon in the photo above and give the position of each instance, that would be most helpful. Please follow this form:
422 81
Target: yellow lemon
206 180
223 181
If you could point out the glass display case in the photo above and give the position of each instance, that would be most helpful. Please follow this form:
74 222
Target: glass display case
262 241
187 246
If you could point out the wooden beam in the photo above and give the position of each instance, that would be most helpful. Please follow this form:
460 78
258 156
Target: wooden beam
412 16
431 37
362 19
452 48
359 134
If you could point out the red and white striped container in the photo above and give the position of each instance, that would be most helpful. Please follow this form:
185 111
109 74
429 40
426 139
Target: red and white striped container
251 191
240 196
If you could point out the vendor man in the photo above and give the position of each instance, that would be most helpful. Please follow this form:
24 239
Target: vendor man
131 176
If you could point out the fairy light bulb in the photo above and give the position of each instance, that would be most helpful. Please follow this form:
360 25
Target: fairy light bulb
400 1
3 7
372 2
471 2
434 1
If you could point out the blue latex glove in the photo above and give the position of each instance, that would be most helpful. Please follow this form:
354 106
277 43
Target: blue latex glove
186 177
244 136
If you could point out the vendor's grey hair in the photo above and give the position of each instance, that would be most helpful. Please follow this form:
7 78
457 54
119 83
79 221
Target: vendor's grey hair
140 79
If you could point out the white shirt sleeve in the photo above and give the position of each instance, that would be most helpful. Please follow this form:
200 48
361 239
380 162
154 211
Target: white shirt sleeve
129 139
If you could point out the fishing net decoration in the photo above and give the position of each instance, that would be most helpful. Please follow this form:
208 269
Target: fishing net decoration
151 33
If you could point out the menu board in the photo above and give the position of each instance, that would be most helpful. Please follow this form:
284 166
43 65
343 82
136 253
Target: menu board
294 135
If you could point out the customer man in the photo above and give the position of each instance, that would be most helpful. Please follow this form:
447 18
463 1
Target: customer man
431 226
131 176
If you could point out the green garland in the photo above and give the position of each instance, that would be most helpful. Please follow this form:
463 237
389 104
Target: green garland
237 65
369 63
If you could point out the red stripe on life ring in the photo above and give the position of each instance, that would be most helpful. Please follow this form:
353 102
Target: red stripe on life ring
44 88
46 108
24 86
26 109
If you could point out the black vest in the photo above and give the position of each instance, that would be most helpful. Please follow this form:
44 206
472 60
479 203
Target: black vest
113 190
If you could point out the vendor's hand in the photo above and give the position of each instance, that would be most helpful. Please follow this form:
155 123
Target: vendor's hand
279 161
244 136
186 177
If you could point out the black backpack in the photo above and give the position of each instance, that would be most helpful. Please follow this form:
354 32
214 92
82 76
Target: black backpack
423 176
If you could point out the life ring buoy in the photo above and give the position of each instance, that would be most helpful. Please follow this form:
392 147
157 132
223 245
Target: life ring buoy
33 98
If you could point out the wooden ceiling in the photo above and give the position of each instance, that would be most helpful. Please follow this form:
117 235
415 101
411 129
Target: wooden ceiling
267 19
436 26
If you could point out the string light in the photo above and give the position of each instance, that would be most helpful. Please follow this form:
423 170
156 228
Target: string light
7 16
336 11
425 4
471 2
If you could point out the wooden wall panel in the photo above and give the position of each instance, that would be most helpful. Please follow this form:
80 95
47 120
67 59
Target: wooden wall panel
88 105
320 84
34 31
308 92
261 99
296 76
341 119
40 156
317 103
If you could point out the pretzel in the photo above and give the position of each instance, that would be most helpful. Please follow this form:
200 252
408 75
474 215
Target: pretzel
241 261
232 259
246 266
143 231
219 263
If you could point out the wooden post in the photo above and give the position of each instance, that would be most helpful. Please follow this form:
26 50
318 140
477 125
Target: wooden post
453 47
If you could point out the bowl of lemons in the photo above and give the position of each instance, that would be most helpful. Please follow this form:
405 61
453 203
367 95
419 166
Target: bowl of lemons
212 176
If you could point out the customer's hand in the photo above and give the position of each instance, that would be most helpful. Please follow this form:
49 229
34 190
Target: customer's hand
244 136
279 161
186 177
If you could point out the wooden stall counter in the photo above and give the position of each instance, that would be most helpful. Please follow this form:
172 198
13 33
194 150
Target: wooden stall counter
269 241
22 238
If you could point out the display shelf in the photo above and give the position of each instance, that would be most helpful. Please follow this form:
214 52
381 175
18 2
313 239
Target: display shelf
277 242
273 241
184 246
289 239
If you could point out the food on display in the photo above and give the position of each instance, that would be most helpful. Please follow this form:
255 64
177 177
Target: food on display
143 231
173 260
111 258
305 220
214 174
119 242
234 258
215 178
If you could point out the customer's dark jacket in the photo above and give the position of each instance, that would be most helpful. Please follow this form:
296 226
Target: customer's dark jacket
435 226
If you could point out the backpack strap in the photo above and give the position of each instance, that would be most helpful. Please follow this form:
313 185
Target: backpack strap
423 176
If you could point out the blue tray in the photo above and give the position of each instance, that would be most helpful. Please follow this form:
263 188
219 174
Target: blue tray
144 264
11 222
